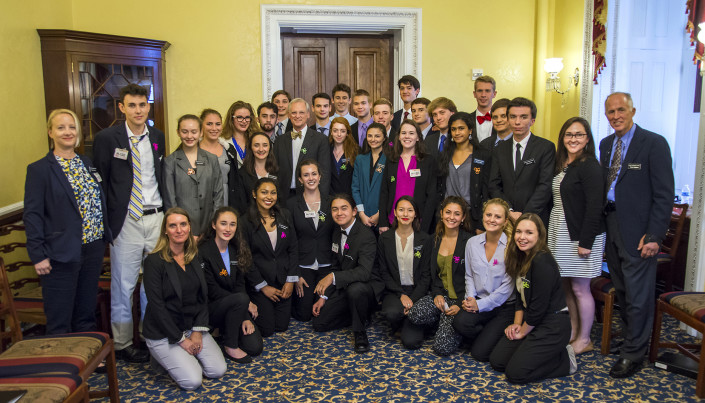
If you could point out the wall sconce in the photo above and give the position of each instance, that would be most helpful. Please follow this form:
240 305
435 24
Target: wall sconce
553 66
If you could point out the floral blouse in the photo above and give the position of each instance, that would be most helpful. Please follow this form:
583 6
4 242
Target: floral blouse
87 193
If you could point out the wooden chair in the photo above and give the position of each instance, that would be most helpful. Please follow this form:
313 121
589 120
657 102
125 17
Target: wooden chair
689 308
75 353
51 388
602 288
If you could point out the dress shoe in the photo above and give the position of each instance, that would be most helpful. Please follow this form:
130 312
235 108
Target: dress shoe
361 343
132 354
624 368
573 361
242 360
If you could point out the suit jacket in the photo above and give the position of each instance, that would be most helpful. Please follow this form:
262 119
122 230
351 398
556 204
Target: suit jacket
247 182
644 189
354 261
458 267
354 128
542 290
315 146
340 182
529 190
366 192
387 265
200 193
52 220
235 194
582 194
164 314
431 143
398 117
220 283
489 143
314 243
479 182
272 266
117 173
425 192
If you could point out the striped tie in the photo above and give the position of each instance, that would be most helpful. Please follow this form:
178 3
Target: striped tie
136 199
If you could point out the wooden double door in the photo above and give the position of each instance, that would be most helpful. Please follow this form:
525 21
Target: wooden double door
314 64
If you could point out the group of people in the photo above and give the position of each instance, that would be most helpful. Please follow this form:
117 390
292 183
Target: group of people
465 225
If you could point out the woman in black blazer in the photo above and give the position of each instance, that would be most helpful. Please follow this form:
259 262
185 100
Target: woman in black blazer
343 152
269 230
409 171
66 224
464 167
576 235
402 265
226 258
447 269
175 322
535 346
310 212
259 163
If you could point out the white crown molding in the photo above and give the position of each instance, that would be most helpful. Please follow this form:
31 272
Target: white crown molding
404 22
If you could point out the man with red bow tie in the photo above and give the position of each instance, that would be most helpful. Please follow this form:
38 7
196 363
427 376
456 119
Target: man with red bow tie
484 93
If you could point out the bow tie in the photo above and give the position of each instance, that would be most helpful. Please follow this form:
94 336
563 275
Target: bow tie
481 119
342 232
295 135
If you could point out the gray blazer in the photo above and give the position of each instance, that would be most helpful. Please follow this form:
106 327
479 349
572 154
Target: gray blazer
200 193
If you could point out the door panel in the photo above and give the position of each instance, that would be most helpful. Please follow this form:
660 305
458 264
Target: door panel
365 63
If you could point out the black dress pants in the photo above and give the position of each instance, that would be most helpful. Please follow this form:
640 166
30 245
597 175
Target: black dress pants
346 307
227 314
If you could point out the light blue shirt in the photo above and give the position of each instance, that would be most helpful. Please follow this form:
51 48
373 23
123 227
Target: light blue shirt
350 118
486 280
626 139
226 259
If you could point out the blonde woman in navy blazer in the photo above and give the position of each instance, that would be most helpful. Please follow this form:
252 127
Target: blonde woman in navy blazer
276 267
67 228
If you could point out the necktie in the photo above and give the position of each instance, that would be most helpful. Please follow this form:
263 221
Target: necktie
134 208
616 164
295 135
322 130
406 115
442 142
363 134
280 128
486 118
517 158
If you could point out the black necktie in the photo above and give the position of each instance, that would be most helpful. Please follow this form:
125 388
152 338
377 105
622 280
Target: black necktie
517 158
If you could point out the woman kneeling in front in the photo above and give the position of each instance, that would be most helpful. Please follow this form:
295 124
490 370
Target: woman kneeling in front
176 320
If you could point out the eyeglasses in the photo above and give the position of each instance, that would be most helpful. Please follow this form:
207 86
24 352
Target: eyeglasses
577 136
243 118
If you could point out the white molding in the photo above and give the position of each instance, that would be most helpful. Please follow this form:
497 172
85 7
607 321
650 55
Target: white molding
11 208
695 265
586 75
405 23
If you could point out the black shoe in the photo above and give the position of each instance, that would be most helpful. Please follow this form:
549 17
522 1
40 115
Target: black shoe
624 368
132 354
242 360
102 368
361 343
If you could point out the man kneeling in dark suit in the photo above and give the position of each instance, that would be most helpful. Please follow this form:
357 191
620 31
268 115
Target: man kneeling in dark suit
346 293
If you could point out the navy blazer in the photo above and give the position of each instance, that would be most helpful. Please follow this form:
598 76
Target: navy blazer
315 146
117 173
425 192
341 182
366 192
458 267
314 243
387 265
53 223
644 189
398 117
354 262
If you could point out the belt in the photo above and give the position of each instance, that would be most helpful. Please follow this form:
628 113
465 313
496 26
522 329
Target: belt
152 211
610 207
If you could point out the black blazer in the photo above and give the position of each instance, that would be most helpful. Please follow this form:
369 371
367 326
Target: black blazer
437 287
315 146
431 143
425 192
542 289
582 193
354 263
272 266
220 283
387 265
235 190
644 189
52 220
529 190
396 120
247 183
117 173
314 243
489 143
164 314
340 183
479 182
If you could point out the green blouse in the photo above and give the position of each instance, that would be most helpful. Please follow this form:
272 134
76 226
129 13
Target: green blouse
445 265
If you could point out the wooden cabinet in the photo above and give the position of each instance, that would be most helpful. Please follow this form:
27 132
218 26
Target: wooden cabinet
84 72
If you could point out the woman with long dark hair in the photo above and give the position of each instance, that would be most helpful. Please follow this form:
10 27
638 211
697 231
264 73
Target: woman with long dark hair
343 151
368 173
259 163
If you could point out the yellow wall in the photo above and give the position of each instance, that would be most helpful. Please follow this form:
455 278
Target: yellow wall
215 58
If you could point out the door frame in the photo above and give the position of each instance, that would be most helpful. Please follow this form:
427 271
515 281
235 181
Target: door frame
403 23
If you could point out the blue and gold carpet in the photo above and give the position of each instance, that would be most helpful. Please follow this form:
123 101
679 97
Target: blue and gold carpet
303 366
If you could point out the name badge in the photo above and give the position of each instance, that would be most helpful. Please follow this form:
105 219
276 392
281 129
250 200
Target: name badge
310 214
335 248
478 161
120 153
97 177
200 162
634 166
414 173
529 162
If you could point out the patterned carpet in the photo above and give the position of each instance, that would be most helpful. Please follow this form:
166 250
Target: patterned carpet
303 366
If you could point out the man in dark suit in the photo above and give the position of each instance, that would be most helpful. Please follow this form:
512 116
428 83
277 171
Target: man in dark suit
522 169
484 92
639 178
409 88
361 106
346 292
419 113
129 158
500 125
382 114
281 99
298 144
441 109
321 110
